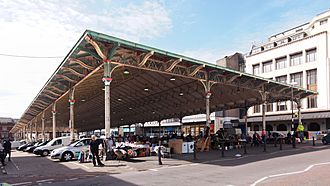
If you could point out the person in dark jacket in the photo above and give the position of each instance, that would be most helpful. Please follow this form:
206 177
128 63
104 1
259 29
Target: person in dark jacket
94 149
7 149
2 154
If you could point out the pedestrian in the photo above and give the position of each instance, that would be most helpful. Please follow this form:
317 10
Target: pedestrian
7 149
300 130
289 137
94 149
110 145
2 154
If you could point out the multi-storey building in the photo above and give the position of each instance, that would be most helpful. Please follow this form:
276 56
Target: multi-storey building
6 124
299 55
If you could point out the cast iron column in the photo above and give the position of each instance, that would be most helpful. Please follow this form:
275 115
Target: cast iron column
54 119
31 131
71 121
43 126
36 129
299 110
107 80
246 123
292 120
159 147
264 98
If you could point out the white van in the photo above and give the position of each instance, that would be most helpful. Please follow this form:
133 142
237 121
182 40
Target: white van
53 144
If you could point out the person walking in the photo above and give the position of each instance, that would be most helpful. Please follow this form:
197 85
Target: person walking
110 145
300 130
7 149
2 154
94 149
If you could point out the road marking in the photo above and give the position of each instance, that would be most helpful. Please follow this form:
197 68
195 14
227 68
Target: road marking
23 183
15 165
71 179
40 181
80 165
289 173
153 169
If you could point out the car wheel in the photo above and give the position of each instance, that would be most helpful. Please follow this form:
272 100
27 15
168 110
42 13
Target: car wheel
67 156
324 142
45 153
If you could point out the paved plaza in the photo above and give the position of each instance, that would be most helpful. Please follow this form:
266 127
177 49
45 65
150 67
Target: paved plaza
305 164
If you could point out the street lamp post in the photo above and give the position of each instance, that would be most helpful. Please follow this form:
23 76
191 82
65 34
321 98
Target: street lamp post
292 118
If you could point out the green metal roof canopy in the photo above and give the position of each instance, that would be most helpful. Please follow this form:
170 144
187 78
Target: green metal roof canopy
159 85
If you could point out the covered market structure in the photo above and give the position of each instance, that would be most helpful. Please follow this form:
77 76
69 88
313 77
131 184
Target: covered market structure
106 82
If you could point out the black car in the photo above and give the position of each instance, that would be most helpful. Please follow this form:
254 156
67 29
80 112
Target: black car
326 139
22 147
31 148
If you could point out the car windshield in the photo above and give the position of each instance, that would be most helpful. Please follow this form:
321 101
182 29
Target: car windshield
43 143
76 144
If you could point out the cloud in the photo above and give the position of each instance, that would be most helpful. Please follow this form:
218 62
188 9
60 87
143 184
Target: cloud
148 20
51 28
204 54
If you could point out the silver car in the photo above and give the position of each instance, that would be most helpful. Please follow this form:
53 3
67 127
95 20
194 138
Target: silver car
72 151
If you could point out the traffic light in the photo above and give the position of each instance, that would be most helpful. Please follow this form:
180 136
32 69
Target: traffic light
296 115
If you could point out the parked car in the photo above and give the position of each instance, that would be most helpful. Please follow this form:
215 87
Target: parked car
72 151
53 144
31 148
16 144
34 145
326 139
22 147
275 135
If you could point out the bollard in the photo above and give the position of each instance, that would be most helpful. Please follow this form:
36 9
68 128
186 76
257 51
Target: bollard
223 149
245 147
281 141
293 141
195 151
275 142
159 154
313 141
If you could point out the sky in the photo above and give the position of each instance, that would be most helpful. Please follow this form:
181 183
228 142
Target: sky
202 29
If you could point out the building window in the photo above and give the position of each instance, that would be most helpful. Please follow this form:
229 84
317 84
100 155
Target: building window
256 69
281 127
314 127
297 36
267 66
281 79
269 107
322 22
281 106
296 59
312 85
256 109
280 63
311 55
297 77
